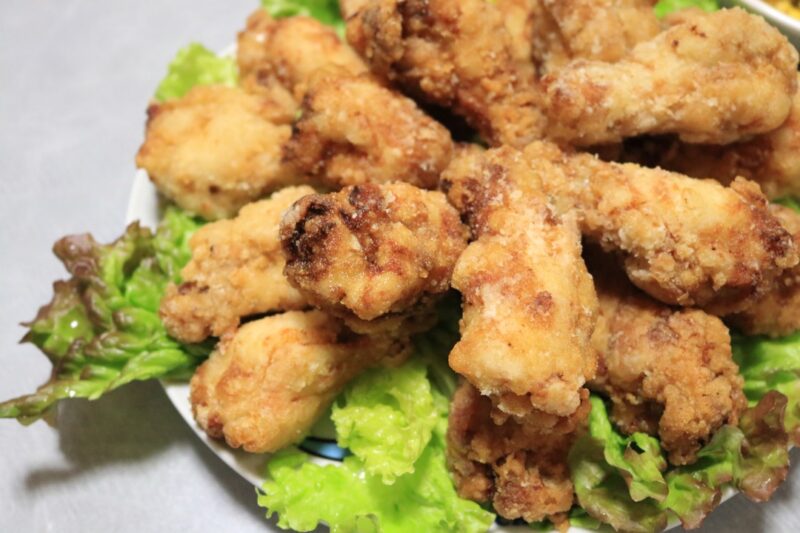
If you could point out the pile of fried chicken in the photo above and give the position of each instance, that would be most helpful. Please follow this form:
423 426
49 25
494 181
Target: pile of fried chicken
606 225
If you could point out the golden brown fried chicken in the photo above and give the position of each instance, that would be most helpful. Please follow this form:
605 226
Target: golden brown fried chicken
266 384
520 470
215 150
372 250
777 313
548 49
352 131
453 53
667 371
520 17
684 241
236 270
706 79
279 56
602 30
772 159
551 33
528 300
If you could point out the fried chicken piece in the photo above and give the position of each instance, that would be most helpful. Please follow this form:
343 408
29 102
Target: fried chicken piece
601 30
684 241
370 251
777 313
772 159
667 371
455 54
236 271
522 471
548 49
266 384
279 56
706 79
215 150
520 17
551 33
353 131
528 300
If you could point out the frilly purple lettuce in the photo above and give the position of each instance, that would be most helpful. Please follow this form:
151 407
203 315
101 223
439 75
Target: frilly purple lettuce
101 330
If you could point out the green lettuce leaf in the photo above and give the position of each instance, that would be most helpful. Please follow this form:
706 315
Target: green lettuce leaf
752 457
102 329
602 492
171 243
665 7
387 416
764 461
578 517
772 365
348 499
325 11
196 65
637 458
788 201
386 419
695 490
617 479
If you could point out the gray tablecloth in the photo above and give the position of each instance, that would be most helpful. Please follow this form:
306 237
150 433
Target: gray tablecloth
75 77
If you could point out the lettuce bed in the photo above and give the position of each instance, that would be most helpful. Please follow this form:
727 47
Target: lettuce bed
101 330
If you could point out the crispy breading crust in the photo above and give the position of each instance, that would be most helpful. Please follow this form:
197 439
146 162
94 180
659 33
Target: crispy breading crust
601 30
520 17
772 159
684 241
215 149
523 472
667 371
266 384
551 33
453 53
777 313
236 270
528 300
372 250
706 78
352 131
280 56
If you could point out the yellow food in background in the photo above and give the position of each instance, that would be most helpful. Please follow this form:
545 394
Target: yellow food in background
787 7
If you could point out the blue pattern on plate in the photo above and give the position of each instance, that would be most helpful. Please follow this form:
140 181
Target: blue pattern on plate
325 448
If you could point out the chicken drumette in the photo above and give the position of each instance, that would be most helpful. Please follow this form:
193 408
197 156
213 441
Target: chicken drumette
266 384
236 270
706 78
529 304
372 251
669 372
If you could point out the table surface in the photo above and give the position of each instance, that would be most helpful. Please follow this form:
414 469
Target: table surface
76 76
